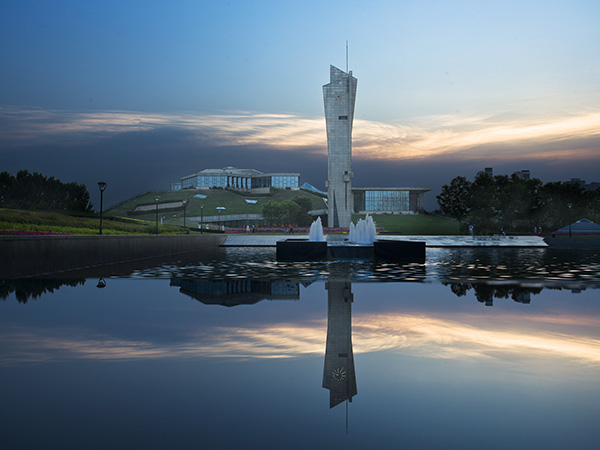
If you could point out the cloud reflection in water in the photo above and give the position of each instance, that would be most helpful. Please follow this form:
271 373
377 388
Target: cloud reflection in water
426 336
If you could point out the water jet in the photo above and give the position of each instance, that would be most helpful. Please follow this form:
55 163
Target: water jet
362 243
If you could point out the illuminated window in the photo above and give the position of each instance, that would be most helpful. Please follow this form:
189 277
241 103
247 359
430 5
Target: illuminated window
386 201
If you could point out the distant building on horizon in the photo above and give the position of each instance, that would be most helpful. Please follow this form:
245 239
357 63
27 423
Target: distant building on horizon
249 180
523 174
587 186
487 171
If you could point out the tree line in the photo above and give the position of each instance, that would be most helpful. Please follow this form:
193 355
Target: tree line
510 203
288 212
26 289
29 190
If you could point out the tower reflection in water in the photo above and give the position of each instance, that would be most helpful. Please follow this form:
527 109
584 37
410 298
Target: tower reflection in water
339 376
338 373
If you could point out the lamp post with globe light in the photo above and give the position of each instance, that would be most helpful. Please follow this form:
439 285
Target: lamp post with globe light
570 205
102 187
201 217
156 199
220 208
184 208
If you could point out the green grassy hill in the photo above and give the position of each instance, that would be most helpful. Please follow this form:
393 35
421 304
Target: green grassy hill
122 219
65 222
233 201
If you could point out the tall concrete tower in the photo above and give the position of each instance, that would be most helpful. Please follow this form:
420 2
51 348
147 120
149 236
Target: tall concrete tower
339 97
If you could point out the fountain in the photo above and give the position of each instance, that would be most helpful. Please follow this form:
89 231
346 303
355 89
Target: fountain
316 231
363 233
313 249
362 243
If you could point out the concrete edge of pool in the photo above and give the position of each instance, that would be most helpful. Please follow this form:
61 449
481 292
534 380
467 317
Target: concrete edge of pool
25 256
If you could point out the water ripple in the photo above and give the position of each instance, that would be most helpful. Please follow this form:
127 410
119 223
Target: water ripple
479 265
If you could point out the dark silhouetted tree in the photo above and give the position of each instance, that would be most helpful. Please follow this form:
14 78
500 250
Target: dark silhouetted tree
303 218
35 191
454 198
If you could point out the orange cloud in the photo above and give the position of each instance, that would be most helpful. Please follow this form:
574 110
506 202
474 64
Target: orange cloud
447 135
466 137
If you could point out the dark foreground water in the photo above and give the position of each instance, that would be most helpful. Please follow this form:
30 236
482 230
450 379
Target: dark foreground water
475 349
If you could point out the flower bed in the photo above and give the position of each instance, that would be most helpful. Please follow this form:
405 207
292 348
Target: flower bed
284 230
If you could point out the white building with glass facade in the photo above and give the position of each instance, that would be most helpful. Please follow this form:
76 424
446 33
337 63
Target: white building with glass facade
250 180
389 200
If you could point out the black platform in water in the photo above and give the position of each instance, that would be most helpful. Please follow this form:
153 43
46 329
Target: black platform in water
303 250
413 251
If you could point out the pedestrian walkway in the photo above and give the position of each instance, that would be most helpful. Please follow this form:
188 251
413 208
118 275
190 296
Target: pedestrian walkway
270 240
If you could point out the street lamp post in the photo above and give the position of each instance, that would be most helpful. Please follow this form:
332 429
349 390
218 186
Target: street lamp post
184 208
570 205
101 186
156 199
220 208
201 218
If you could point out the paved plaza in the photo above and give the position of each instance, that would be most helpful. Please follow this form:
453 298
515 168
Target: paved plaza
253 240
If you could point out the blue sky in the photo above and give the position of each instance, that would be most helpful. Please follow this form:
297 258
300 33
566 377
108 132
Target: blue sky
140 93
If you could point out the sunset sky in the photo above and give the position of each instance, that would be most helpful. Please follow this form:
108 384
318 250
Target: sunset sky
140 93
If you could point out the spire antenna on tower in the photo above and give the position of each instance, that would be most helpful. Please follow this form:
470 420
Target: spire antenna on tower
346 56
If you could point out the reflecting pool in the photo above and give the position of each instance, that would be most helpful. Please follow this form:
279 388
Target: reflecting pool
476 348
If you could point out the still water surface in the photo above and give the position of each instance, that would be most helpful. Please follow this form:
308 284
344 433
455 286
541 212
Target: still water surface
492 348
